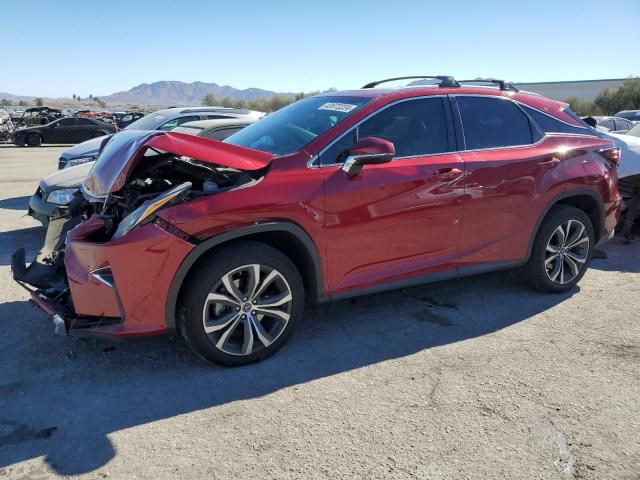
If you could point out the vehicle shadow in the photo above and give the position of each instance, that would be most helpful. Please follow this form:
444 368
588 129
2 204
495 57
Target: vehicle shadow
621 257
31 239
16 203
63 405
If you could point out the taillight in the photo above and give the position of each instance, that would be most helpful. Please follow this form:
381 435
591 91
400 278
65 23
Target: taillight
611 154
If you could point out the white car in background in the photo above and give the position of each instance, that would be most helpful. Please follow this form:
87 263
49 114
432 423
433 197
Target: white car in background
629 168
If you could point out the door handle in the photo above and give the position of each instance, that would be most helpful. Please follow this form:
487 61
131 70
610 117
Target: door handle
552 163
447 173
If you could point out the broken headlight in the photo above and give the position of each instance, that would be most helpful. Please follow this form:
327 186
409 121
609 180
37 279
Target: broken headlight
144 211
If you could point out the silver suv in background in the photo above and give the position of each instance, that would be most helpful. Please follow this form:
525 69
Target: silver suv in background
166 119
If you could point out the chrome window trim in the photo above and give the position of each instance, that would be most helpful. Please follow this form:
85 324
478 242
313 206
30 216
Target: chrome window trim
316 158
550 116
311 164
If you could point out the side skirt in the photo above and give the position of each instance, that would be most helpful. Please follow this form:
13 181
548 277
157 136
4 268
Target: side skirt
425 279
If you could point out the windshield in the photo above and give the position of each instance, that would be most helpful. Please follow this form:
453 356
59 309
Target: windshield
148 122
291 128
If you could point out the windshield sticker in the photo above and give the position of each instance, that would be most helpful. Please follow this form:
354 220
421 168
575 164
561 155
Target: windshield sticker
337 107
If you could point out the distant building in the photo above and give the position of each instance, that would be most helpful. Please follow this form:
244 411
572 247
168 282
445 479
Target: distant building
586 90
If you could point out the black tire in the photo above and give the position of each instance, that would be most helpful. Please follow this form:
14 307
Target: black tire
536 271
34 140
208 275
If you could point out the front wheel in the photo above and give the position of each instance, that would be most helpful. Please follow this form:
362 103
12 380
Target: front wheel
34 140
242 304
561 251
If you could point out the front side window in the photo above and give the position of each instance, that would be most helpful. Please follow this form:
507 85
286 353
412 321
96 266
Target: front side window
294 126
493 123
608 124
415 127
85 121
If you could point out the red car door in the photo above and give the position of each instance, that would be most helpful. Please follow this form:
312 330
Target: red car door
505 159
401 219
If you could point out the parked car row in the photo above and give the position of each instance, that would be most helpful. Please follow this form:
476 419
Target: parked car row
333 196
59 189
39 125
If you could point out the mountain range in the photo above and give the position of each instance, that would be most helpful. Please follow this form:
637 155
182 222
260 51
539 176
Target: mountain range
165 93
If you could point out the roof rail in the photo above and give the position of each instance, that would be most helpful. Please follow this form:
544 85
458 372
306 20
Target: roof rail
445 80
504 85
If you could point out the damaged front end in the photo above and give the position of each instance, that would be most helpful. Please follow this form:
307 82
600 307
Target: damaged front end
108 261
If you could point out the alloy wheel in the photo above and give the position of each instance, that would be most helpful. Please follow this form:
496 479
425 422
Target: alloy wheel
247 309
567 252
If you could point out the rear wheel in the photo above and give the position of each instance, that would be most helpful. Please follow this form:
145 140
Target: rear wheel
34 140
242 304
561 251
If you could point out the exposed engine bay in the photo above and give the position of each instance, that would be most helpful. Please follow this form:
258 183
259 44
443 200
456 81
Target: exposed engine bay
126 186
156 174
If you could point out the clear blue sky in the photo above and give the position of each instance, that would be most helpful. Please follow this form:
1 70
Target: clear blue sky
57 48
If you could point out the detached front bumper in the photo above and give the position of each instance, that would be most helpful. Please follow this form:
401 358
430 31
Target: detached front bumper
111 288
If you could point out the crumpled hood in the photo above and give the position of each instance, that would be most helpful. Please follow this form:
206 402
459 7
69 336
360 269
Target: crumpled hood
126 148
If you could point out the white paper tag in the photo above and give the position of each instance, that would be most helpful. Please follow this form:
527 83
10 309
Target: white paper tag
337 107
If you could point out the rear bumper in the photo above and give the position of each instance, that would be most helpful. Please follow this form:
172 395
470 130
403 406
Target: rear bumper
111 289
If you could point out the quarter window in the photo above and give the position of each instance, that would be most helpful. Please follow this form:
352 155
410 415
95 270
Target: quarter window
493 123
551 125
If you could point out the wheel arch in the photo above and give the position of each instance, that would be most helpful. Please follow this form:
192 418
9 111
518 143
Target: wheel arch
287 237
585 199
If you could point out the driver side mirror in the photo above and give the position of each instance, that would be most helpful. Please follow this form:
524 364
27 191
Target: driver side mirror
368 151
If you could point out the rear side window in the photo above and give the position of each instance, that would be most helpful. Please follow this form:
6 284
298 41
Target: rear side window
550 124
622 125
67 122
493 123
84 121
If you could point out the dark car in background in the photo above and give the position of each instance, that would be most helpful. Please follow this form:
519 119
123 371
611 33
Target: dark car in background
124 119
166 119
65 130
37 116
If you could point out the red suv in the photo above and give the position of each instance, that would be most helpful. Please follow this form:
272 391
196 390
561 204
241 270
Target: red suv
336 195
